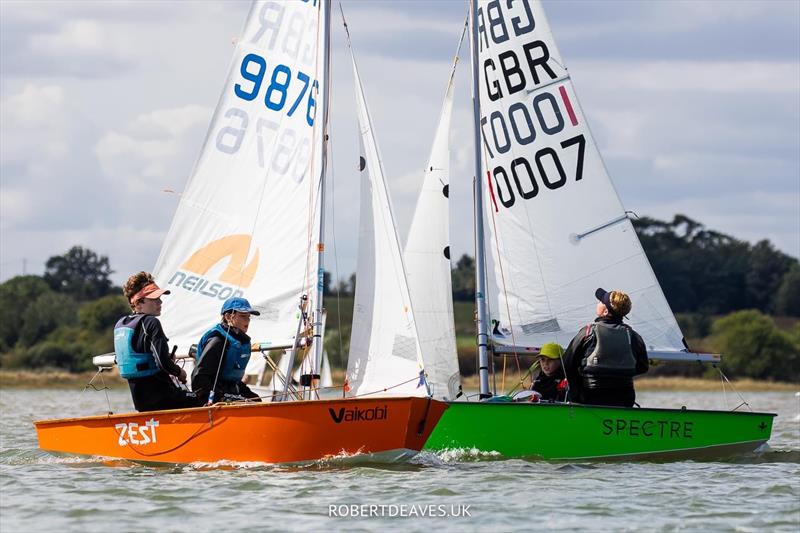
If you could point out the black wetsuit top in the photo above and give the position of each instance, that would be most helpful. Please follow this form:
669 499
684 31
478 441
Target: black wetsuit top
156 392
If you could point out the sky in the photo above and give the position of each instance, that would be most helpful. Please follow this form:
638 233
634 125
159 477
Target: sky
104 107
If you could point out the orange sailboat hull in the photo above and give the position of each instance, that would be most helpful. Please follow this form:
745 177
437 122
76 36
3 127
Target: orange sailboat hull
272 433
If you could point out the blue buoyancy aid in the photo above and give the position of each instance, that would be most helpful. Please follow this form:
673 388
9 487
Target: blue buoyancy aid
132 364
237 354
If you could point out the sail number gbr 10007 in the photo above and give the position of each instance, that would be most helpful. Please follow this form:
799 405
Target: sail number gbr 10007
516 128
276 94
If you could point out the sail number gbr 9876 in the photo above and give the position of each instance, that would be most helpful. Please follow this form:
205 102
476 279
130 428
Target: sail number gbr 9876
277 88
527 174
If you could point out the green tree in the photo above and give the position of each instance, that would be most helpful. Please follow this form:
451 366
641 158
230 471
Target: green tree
787 297
51 355
766 270
701 270
326 283
80 272
100 315
16 295
49 311
80 343
463 276
694 325
752 346
337 344
352 285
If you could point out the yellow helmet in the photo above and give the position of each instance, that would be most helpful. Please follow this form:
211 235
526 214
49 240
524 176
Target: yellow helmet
551 350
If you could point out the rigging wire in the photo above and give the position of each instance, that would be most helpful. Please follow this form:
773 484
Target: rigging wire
726 380
104 388
335 246
314 205
505 290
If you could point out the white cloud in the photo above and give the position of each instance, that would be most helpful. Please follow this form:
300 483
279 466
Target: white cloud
34 106
151 154
175 122
745 77
105 104
15 204
75 35
129 248
748 216
699 16
600 19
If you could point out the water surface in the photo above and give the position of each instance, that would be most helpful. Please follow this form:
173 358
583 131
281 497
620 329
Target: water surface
40 491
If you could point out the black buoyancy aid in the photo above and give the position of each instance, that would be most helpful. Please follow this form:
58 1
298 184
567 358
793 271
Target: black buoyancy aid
132 364
612 355
236 357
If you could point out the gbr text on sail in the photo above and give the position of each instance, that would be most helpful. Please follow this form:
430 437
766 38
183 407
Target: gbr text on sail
533 139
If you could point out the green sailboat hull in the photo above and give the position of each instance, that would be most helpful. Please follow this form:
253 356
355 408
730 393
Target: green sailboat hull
574 432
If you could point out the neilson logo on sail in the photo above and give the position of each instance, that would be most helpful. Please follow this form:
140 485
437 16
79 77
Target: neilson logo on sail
236 276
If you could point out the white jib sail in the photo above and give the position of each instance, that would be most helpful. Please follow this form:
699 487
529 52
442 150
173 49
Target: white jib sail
384 346
248 219
555 224
427 260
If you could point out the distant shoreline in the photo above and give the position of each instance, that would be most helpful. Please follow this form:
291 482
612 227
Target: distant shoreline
28 379
677 383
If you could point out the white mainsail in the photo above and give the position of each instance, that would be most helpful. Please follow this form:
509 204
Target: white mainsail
384 345
248 219
554 222
427 260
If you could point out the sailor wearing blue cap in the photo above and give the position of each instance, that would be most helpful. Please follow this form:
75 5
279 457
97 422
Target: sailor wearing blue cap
238 304
222 356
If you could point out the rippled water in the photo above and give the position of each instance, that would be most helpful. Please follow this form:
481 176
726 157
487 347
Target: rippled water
40 491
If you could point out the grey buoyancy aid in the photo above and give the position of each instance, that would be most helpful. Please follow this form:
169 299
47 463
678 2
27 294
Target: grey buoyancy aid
612 354
237 354
132 364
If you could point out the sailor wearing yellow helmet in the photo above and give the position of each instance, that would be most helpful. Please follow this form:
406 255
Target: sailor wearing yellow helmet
551 382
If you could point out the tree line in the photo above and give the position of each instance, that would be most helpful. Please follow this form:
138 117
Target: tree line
700 270
60 319
722 290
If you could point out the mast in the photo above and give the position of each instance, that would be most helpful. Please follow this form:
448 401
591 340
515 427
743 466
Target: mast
317 324
317 342
480 263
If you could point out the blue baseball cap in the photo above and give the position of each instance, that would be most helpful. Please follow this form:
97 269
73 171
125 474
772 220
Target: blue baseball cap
238 304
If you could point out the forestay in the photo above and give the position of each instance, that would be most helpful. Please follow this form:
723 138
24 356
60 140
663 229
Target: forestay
554 222
248 219
384 346
427 260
